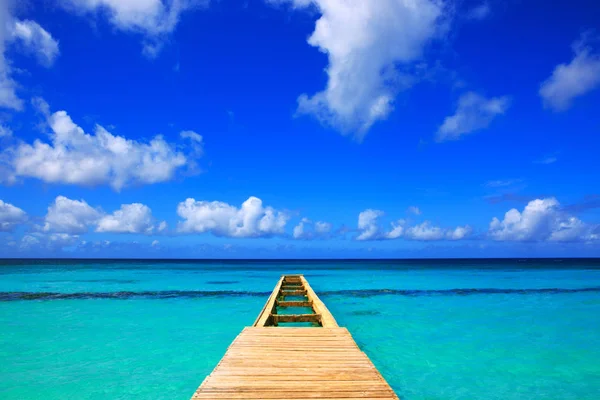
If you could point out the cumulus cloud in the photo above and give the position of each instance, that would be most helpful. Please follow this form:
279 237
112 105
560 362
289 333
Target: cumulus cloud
370 46
36 40
76 157
541 220
77 217
398 230
426 231
568 81
370 229
306 229
298 232
8 95
10 216
33 39
474 112
47 241
252 219
154 19
130 218
460 232
322 227
60 240
29 241
367 224
70 216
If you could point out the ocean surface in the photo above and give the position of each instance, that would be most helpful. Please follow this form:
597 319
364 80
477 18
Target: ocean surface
436 329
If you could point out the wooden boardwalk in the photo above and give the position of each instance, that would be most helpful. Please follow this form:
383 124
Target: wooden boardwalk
270 361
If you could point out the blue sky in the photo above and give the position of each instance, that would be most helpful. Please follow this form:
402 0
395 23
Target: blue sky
299 128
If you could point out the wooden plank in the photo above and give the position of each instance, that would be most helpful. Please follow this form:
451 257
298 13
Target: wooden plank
293 292
297 318
327 319
275 363
264 315
283 303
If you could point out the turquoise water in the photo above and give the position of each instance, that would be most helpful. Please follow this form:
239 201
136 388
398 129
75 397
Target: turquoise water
435 329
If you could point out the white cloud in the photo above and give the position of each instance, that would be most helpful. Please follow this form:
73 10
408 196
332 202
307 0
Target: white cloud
368 43
414 210
397 231
5 131
8 96
306 229
541 220
70 216
60 240
367 224
460 232
298 232
77 217
76 157
479 12
33 38
572 80
426 232
154 19
36 40
222 219
48 241
474 112
322 227
28 242
10 216
371 230
130 218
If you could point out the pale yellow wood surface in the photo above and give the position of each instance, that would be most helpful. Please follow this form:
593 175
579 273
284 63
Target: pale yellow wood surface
294 363
294 285
327 320
262 318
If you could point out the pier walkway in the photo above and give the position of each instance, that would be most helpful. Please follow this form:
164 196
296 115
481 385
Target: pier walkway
276 359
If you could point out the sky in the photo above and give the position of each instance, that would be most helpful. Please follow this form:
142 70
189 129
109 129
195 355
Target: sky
299 128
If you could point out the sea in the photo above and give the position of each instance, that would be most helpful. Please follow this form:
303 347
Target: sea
436 329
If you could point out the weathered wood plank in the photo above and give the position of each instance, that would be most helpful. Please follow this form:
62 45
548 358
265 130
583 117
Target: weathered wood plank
264 315
297 318
327 319
293 292
283 303
273 363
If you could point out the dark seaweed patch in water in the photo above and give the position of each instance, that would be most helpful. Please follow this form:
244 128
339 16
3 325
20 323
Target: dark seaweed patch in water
222 282
190 294
125 295
116 281
365 312
452 292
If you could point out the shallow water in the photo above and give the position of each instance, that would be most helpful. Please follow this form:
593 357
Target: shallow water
435 329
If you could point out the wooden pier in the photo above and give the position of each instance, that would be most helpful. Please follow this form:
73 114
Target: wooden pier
276 360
